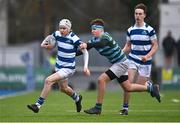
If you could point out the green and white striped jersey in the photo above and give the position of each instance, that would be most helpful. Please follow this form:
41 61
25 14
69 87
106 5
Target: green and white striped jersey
111 50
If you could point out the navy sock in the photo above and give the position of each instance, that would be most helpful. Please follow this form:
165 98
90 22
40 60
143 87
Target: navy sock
40 100
125 106
149 86
98 106
75 97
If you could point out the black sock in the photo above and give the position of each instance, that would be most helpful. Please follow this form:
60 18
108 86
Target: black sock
98 106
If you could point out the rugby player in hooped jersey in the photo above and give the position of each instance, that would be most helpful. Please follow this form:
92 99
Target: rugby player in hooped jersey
141 45
67 43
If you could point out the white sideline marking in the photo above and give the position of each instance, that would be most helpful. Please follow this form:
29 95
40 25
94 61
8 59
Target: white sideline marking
15 94
175 100
134 110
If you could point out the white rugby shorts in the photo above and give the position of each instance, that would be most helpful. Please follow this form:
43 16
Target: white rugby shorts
143 70
120 68
65 73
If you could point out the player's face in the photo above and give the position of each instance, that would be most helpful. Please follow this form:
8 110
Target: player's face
139 15
96 32
63 30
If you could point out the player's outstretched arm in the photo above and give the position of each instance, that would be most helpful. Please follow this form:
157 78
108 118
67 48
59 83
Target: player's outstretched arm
86 60
89 46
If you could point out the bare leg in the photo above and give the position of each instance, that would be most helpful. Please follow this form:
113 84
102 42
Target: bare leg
65 88
48 83
126 95
142 80
129 87
102 80
47 87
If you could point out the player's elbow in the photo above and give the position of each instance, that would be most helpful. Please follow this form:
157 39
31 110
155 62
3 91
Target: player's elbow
42 46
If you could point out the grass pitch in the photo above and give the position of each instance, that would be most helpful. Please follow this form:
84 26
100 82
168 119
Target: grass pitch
60 108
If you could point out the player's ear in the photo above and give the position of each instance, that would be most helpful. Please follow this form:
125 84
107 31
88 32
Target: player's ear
144 15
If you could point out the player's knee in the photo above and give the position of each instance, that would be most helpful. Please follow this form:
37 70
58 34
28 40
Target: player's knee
127 86
103 79
48 82
128 90
100 80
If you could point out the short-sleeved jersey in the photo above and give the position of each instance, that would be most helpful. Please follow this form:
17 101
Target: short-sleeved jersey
141 42
67 47
111 51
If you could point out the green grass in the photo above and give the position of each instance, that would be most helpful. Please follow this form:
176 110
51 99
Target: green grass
60 108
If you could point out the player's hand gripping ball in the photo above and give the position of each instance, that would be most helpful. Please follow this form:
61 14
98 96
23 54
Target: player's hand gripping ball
50 40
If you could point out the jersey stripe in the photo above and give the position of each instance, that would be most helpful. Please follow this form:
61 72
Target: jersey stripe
141 42
149 62
67 47
112 51
66 50
137 52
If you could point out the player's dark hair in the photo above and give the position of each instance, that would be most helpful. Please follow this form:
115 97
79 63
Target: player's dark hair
97 21
141 6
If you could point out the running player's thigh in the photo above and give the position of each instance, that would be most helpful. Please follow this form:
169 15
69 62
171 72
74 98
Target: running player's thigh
131 74
54 77
63 83
142 80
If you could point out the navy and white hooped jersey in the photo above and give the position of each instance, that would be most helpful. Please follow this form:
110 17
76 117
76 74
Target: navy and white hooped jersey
67 47
141 42
112 51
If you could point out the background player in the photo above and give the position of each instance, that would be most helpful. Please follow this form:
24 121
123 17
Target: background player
142 44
